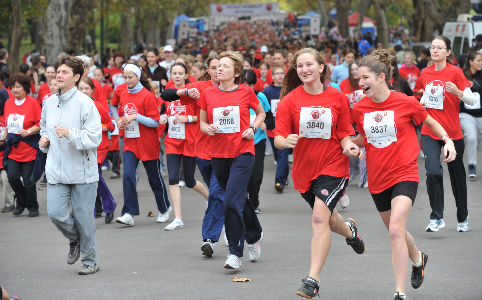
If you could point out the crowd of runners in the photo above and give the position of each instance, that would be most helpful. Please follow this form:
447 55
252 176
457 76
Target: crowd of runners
326 117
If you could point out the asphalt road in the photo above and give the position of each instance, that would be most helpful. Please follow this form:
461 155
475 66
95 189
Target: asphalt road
146 262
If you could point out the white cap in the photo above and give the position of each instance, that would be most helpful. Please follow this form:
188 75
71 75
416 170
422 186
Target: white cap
168 48
263 49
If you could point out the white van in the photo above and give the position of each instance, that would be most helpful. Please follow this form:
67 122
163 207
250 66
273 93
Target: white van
462 32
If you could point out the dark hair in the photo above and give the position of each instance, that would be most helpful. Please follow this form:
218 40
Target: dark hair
3 53
353 81
101 70
470 57
50 66
448 45
3 76
378 61
396 76
292 80
34 60
206 75
24 68
76 64
248 76
183 66
156 52
22 79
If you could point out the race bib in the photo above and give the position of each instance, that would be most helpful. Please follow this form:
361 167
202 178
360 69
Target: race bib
274 106
355 97
176 131
434 96
380 128
2 131
132 130
116 129
251 119
15 123
476 104
227 119
315 122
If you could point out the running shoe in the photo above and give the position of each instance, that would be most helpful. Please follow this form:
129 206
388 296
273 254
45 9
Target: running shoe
108 218
182 183
126 219
175 224
254 251
463 226
164 217
356 242
278 187
104 168
399 296
74 252
207 248
435 225
7 209
309 288
257 210
344 201
418 272
86 269
232 262
472 172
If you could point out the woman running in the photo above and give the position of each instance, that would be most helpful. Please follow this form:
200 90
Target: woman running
180 144
139 118
471 115
311 116
385 121
444 85
225 117
104 200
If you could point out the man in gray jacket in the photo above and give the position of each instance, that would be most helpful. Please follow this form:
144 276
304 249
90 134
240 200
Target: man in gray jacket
71 130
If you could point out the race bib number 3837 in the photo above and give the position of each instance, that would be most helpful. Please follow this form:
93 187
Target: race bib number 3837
379 128
315 122
227 119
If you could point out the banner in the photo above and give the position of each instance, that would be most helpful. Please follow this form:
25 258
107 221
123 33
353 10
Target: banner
244 9
315 24
183 30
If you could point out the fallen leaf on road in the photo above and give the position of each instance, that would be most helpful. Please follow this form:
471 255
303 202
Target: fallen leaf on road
242 279
150 214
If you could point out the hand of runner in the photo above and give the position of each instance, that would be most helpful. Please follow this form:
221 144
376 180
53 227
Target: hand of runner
61 131
292 140
248 134
130 118
180 119
23 132
449 150
352 150
121 123
212 129
193 93
162 120
453 89
44 142
262 126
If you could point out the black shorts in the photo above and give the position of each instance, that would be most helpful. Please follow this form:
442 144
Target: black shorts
383 200
328 188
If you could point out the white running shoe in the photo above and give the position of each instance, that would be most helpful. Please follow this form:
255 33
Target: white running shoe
344 201
435 225
163 218
463 226
232 262
254 251
126 219
182 183
175 224
104 168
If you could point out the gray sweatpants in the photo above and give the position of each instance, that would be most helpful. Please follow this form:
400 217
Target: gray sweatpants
80 224
472 129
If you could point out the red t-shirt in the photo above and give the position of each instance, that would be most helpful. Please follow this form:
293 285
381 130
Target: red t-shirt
410 74
2 132
99 92
231 110
433 83
203 141
103 147
181 138
393 148
313 157
354 94
160 128
42 92
112 71
117 92
107 90
30 112
146 146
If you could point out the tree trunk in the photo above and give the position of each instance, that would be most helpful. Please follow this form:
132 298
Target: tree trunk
15 37
425 19
382 26
126 39
342 8
154 32
54 32
362 10
78 24
323 13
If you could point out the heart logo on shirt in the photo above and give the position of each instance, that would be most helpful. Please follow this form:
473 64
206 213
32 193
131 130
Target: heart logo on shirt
433 90
226 112
315 114
378 118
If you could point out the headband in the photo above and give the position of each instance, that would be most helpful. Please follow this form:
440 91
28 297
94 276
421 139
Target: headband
134 69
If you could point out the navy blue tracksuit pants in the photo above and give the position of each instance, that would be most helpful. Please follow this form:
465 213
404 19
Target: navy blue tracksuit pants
240 221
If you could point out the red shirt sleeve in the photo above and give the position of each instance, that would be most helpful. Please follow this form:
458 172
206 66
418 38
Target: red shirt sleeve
419 114
253 100
202 102
284 118
343 126
150 107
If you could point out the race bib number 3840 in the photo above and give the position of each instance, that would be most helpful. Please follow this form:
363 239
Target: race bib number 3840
315 122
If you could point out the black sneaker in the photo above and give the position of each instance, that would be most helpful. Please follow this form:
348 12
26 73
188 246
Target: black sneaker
356 242
309 288
74 252
399 296
109 217
33 213
278 187
207 248
18 211
418 272
7 209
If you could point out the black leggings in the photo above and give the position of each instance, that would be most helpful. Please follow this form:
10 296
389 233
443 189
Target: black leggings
25 190
173 163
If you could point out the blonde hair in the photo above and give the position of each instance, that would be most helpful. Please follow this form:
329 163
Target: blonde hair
238 63
292 81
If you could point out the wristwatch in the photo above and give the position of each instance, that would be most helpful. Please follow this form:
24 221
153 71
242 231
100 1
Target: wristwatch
254 129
